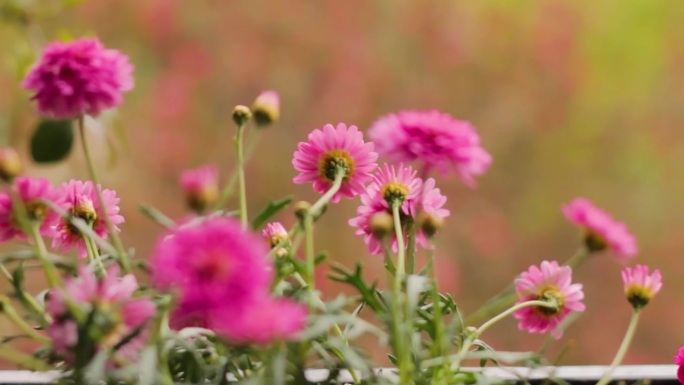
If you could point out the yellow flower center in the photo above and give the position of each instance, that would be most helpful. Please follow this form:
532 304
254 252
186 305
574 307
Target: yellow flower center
551 294
638 295
594 242
335 160
395 191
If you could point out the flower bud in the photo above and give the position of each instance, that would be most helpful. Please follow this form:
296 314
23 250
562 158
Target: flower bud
10 164
381 224
301 209
201 187
430 224
241 115
266 108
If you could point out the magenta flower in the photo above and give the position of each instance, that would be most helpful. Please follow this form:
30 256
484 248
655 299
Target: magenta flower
400 183
274 233
266 108
120 314
81 202
331 149
679 360
601 230
434 139
200 186
547 282
264 322
31 191
640 285
79 77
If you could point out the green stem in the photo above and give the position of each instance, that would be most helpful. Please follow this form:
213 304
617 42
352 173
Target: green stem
241 175
94 256
620 355
9 311
579 258
51 275
230 186
122 257
323 200
411 250
399 317
438 348
401 252
12 355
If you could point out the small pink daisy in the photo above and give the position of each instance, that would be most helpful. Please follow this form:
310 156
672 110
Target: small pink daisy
112 298
31 191
274 233
81 202
601 230
433 138
640 286
201 187
402 184
79 77
679 360
547 282
330 150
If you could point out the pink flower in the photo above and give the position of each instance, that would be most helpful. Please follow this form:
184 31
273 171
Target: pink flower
274 233
640 286
549 282
81 202
266 108
433 138
401 183
31 191
200 186
601 230
679 360
79 77
265 322
332 149
119 315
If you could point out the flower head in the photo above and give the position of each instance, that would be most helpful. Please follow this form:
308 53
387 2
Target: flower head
266 108
32 192
601 230
397 185
640 285
118 318
79 77
264 322
81 202
10 164
548 282
679 360
201 187
275 233
433 138
330 151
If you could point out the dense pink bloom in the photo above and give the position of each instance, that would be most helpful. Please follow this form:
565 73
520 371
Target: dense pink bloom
390 183
274 233
640 285
79 77
679 360
81 202
433 138
31 191
266 107
602 231
549 281
112 297
331 148
264 322
201 186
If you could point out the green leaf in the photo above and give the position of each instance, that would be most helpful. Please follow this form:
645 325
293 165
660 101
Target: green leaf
52 141
272 209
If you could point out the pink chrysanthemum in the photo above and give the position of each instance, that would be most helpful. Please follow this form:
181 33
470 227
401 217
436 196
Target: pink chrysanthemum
200 186
547 282
332 149
119 314
640 285
401 183
79 77
433 138
601 230
31 191
679 360
81 202
264 322
274 233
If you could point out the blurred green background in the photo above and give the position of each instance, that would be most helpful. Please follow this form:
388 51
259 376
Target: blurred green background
570 98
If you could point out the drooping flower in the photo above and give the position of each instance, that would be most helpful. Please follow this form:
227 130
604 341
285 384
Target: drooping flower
400 185
549 282
266 108
640 285
679 360
434 139
331 150
602 232
79 77
201 187
118 318
32 192
81 202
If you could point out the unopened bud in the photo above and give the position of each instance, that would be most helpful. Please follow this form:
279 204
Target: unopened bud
241 115
281 252
266 108
301 209
201 187
381 224
10 164
430 224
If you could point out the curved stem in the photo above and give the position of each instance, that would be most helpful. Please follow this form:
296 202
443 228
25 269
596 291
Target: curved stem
9 354
323 200
7 308
620 355
241 175
230 186
122 257
401 252
51 275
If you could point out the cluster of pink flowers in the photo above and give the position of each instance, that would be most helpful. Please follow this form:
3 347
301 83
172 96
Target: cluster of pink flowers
77 198
223 276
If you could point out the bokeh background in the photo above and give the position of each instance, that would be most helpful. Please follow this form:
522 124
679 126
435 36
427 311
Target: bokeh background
570 98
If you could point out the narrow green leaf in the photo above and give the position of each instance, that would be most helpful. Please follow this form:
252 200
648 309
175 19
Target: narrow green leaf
271 209
52 141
